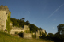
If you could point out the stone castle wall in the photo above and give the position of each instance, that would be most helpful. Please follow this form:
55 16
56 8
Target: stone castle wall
16 29
38 33
3 18
4 11
28 35
26 27
4 8
19 29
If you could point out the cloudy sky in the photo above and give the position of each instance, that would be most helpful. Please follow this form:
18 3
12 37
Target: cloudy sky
47 14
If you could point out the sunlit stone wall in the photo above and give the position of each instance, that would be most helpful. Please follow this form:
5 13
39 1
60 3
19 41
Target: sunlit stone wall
3 18
4 11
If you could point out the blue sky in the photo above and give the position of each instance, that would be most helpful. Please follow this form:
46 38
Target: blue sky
47 14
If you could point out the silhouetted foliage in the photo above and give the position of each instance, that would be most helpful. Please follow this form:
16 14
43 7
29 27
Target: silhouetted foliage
21 23
33 28
60 28
27 22
50 36
43 36
40 28
17 22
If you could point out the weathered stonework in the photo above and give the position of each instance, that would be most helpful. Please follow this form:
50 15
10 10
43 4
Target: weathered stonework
5 18
2 20
4 11
26 27
19 29
38 33
28 35
16 29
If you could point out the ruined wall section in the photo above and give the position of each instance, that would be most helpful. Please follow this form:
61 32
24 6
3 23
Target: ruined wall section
16 29
19 29
3 18
38 33
26 29
4 11
4 8
27 35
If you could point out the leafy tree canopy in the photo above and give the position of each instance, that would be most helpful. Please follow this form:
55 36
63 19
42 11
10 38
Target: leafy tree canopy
21 23
60 28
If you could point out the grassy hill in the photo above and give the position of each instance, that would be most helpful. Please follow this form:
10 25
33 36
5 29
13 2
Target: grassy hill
4 37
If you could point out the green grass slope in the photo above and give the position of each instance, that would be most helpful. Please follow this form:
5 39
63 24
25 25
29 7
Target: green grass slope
4 37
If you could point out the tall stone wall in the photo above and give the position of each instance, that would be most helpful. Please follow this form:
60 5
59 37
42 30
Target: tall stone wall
26 29
3 18
4 8
4 11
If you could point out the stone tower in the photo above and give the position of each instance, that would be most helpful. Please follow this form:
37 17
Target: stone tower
26 28
4 11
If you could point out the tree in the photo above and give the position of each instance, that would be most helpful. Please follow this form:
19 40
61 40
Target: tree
40 28
17 22
33 28
50 36
60 28
27 22
57 37
43 36
22 19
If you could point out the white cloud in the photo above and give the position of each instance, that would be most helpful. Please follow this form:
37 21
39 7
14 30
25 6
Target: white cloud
55 11
54 19
53 28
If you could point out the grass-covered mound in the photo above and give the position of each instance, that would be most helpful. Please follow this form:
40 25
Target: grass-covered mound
4 37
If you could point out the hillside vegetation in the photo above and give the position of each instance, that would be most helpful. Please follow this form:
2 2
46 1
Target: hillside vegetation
21 23
4 37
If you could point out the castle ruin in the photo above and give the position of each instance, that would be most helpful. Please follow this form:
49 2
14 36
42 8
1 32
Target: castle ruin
4 11
5 24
